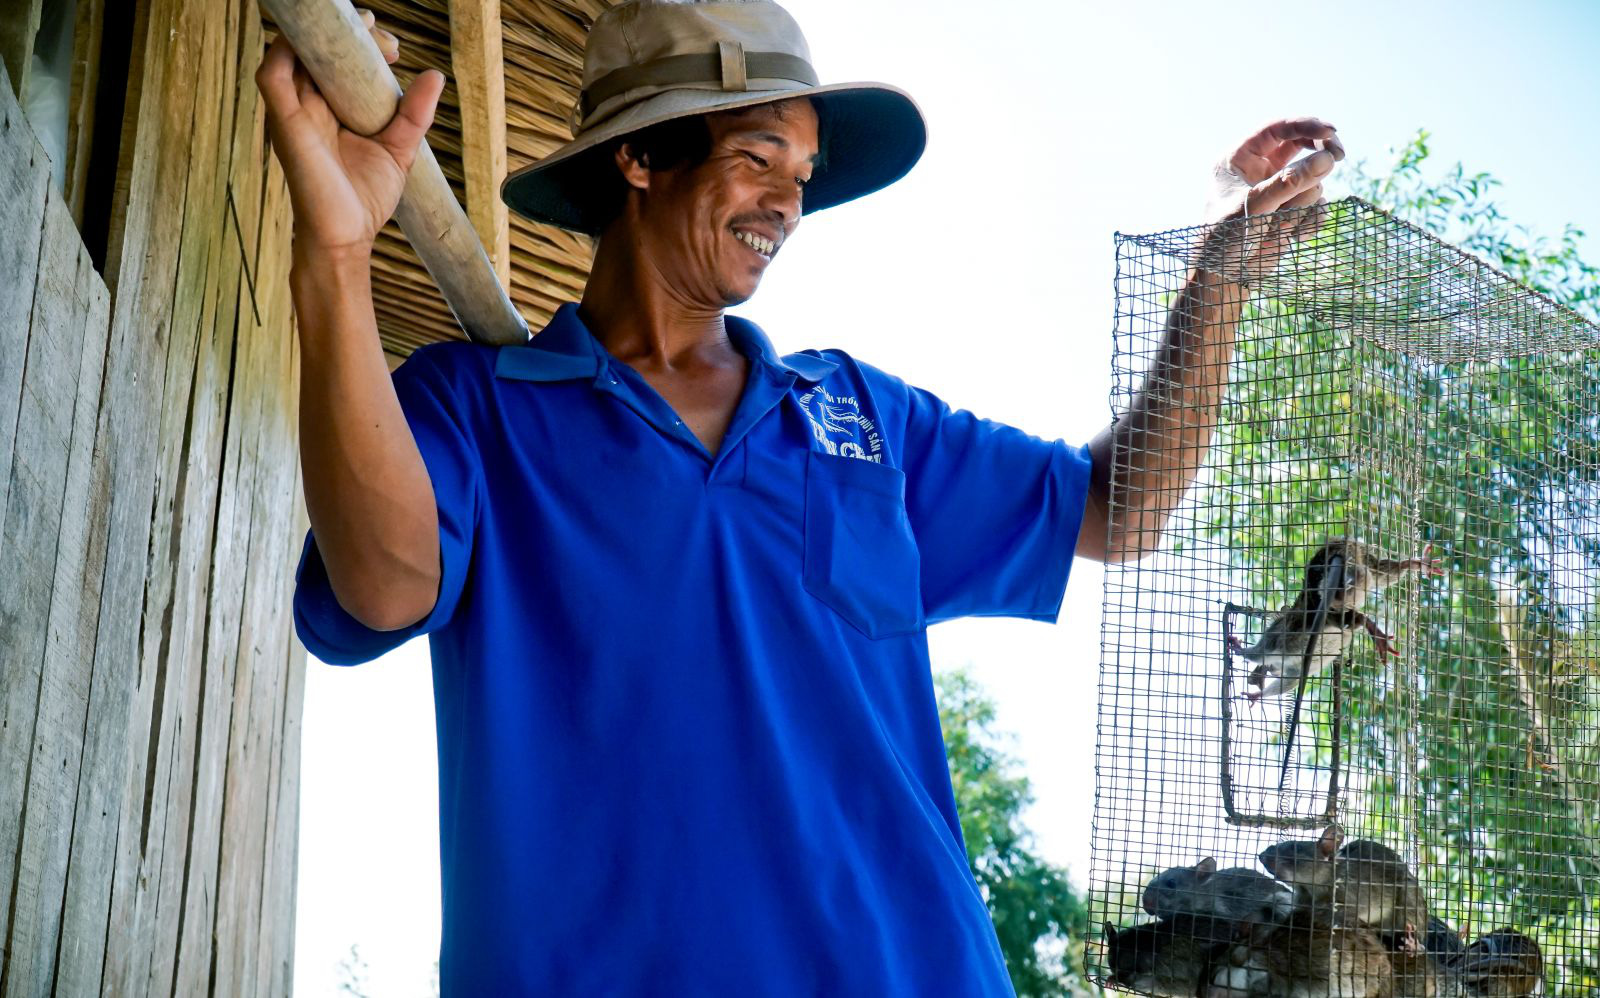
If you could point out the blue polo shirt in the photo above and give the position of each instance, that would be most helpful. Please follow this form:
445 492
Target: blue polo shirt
688 742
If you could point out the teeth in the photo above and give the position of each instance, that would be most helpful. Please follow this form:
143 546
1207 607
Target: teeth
755 242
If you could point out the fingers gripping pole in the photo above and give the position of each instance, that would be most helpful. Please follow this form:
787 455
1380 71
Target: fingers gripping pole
336 49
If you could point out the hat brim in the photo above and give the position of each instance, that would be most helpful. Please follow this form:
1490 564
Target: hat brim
875 135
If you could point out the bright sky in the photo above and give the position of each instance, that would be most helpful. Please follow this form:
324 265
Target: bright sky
986 276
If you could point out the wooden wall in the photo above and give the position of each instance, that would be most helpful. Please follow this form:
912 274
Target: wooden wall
150 514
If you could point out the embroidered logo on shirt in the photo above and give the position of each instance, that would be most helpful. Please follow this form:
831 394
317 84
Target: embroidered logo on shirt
839 416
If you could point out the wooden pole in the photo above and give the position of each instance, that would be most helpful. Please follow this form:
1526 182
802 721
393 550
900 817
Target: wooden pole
478 60
342 58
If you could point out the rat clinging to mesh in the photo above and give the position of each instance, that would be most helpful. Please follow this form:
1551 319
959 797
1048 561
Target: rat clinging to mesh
1280 654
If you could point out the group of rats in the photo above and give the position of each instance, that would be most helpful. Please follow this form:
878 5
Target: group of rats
1336 919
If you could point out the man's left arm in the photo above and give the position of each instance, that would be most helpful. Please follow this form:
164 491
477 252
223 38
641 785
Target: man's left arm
1163 436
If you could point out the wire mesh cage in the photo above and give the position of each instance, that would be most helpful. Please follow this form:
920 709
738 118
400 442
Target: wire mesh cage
1349 707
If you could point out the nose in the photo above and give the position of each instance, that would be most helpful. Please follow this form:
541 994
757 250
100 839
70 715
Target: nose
783 199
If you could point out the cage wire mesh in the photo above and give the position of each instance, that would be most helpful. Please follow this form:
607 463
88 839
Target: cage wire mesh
1388 389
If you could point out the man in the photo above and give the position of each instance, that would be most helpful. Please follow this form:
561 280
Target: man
676 585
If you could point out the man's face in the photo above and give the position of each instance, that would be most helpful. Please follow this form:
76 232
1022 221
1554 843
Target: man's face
710 230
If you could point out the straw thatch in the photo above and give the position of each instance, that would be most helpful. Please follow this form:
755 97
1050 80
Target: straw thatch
543 43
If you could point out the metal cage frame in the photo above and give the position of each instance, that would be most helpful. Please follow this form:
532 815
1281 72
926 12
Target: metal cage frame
1389 387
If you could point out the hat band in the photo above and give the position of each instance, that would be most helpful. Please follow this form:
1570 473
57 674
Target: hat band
708 68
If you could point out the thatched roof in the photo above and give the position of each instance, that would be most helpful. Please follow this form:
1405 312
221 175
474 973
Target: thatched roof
543 57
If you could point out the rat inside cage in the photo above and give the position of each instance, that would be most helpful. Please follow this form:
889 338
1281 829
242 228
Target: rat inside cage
1349 738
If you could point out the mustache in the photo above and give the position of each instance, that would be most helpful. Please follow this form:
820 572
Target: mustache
772 218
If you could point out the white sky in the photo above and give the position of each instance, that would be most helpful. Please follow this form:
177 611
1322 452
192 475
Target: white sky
986 276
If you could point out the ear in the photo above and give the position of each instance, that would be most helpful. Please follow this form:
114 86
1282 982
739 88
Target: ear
1111 933
1328 844
1205 868
635 168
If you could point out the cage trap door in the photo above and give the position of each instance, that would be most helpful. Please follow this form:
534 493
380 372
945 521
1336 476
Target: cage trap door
1279 757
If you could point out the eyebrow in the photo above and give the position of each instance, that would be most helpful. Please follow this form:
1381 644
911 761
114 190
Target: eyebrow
780 142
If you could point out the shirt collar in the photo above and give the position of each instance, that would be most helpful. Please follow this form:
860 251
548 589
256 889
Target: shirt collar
562 351
753 343
565 350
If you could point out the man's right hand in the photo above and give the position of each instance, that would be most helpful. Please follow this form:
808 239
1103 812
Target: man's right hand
343 186
367 489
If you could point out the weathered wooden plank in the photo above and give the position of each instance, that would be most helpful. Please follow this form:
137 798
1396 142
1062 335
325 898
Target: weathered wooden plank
228 550
241 793
477 60
283 849
238 500
178 574
188 477
229 562
147 248
24 175
31 528
88 18
239 886
88 874
274 941
282 859
69 646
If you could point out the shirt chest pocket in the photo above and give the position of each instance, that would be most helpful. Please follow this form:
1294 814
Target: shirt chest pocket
860 556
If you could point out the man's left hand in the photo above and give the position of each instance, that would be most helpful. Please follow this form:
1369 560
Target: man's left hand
1259 179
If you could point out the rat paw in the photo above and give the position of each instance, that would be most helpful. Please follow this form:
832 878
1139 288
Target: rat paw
1383 642
1409 943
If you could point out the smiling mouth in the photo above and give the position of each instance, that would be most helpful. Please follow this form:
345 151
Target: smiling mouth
760 244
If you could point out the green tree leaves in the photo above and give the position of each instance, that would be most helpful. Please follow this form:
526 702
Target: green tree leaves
1459 207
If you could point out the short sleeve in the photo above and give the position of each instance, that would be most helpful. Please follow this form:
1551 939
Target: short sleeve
428 386
996 512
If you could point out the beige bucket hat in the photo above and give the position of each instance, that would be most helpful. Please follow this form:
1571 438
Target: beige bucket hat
649 61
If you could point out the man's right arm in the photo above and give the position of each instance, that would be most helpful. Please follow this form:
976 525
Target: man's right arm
367 490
